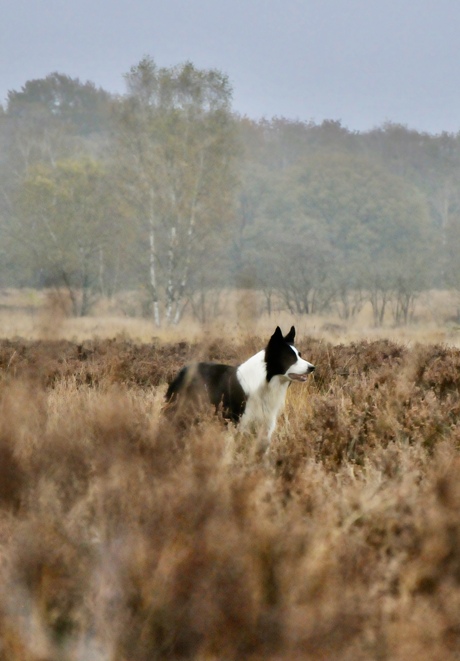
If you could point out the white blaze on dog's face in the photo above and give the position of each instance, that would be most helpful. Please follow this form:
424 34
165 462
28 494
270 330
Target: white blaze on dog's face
300 369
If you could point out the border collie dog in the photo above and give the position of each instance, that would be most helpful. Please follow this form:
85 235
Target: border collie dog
251 394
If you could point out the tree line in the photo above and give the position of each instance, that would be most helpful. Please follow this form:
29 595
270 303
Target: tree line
166 191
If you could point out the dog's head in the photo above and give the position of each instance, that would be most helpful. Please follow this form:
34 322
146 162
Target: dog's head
283 359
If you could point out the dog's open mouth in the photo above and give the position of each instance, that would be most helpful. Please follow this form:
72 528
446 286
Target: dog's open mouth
297 377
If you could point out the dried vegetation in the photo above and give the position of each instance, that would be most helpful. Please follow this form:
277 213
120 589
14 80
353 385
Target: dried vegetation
121 538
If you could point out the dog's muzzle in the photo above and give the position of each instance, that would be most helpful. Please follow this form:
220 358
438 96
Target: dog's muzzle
301 377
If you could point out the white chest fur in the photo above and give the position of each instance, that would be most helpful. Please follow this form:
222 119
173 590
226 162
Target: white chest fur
265 399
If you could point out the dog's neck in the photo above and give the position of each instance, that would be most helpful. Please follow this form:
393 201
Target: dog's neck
252 374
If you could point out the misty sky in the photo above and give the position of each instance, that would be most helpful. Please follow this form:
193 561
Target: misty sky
363 62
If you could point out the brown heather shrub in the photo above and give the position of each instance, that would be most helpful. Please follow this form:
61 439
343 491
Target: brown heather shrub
123 536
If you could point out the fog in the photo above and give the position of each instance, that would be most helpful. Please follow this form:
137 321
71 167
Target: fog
169 195
356 61
307 152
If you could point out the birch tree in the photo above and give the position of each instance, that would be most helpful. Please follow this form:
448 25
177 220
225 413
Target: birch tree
177 145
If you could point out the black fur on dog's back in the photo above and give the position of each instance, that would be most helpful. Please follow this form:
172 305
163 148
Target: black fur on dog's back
218 382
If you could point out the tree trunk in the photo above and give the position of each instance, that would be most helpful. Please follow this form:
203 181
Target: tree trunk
188 245
171 267
153 276
101 272
184 281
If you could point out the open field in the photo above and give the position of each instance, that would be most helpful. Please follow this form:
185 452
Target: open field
122 538
44 314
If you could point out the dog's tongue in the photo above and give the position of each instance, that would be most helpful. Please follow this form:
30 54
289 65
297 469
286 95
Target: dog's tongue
297 377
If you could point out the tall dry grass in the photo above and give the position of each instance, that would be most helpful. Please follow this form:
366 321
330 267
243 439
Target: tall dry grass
124 538
46 314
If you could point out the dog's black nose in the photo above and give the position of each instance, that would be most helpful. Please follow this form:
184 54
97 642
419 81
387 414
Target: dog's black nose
311 369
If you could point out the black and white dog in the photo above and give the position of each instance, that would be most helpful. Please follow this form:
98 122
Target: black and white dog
251 394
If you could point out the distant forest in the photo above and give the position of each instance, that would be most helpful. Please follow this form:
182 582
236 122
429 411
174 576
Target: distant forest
166 192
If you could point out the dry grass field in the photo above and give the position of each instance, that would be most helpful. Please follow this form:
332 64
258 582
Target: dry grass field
125 539
37 315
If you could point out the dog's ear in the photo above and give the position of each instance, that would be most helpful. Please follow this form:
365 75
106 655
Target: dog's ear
290 336
277 335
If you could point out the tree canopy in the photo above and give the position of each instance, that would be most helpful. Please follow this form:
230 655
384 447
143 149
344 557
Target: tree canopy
165 190
67 226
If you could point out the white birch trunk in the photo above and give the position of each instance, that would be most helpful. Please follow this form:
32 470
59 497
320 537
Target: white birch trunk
170 284
153 275
179 308
183 283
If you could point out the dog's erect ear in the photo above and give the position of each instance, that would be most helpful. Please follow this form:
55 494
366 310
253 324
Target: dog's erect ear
290 336
277 335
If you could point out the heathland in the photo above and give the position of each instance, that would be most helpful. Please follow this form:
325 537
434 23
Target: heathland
122 537
142 231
